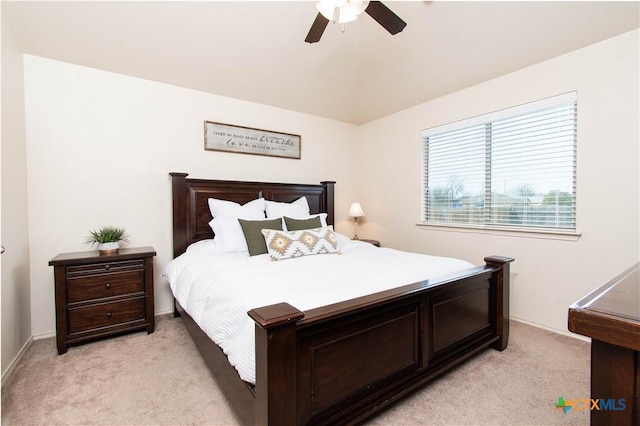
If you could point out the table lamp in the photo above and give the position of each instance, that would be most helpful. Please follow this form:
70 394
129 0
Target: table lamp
356 213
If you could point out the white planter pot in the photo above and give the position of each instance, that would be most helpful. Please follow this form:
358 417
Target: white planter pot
109 248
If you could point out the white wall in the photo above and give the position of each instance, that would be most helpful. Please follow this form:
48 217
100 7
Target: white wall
100 146
548 275
16 308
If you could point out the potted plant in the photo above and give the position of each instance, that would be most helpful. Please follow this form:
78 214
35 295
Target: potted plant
108 239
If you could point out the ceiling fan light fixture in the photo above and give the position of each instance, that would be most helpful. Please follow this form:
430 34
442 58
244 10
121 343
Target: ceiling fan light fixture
356 6
341 11
345 15
328 7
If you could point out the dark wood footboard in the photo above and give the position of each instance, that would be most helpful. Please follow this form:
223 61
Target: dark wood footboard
341 363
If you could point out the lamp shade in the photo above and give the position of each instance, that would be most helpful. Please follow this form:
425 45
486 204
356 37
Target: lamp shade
356 210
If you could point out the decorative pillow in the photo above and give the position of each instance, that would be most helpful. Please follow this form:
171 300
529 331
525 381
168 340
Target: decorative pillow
287 245
228 233
298 209
299 224
253 236
322 216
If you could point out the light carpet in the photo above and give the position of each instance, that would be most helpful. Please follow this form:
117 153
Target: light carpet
161 379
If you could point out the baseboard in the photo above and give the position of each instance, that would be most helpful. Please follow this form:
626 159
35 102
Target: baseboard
12 366
553 330
44 335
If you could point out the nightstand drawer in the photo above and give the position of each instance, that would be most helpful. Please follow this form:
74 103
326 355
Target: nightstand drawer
91 287
105 315
101 268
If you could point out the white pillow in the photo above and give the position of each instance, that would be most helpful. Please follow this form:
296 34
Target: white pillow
229 237
252 208
299 209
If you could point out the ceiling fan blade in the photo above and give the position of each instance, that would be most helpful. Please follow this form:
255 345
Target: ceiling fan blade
317 28
385 17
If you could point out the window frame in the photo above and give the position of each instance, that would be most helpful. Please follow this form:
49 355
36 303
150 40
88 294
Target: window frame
569 233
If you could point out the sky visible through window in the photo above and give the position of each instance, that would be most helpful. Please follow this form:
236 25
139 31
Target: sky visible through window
524 153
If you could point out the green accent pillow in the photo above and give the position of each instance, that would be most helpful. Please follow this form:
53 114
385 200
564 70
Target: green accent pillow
252 233
300 224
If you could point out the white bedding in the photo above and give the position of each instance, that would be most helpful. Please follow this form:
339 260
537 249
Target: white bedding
218 289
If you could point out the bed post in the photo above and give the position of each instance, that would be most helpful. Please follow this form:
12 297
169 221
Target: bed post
276 364
179 196
178 189
329 200
502 298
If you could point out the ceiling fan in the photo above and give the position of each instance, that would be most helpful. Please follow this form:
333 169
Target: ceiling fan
342 11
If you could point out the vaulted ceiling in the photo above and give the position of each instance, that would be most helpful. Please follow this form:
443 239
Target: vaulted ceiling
256 51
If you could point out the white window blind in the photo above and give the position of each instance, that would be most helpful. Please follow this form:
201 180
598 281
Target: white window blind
513 169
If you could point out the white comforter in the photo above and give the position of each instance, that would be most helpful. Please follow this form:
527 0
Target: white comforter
218 289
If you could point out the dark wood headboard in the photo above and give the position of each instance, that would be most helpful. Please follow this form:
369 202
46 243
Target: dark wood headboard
191 215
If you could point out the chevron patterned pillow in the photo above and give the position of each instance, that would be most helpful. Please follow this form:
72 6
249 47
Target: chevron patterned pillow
287 245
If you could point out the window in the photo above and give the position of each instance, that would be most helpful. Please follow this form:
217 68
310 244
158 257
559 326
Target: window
513 169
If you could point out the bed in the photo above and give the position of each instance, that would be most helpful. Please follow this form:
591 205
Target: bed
310 367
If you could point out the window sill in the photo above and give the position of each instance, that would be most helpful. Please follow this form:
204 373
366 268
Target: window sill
509 232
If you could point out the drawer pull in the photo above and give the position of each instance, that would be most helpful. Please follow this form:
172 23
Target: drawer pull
109 315
107 286
107 267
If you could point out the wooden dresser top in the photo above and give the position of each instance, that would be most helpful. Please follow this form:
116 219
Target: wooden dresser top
611 313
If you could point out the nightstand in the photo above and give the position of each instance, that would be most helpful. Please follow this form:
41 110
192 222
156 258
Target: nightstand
374 242
102 295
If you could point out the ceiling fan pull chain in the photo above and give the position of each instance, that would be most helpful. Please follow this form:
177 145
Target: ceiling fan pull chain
342 28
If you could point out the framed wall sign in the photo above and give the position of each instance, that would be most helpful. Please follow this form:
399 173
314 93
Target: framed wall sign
246 140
